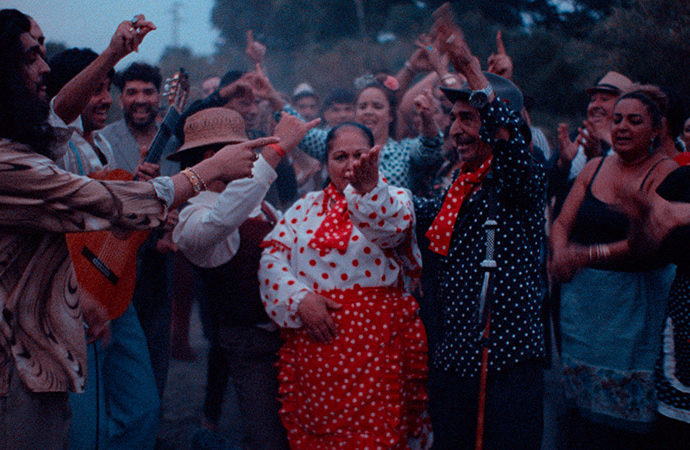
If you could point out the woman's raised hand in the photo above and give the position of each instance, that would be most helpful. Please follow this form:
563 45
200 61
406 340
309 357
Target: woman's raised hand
313 311
364 174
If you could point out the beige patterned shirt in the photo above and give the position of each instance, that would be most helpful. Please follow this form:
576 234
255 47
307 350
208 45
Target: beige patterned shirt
41 327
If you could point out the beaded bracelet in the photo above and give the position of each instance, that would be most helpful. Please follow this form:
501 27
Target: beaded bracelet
197 184
201 180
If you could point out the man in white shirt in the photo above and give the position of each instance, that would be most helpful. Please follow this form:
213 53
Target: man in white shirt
219 232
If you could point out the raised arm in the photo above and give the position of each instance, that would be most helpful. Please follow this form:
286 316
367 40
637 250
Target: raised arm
500 63
203 230
383 213
75 95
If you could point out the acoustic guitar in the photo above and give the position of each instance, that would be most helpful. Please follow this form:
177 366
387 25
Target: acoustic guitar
105 262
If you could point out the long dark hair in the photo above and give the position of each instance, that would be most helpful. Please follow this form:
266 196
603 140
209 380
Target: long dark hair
652 108
23 116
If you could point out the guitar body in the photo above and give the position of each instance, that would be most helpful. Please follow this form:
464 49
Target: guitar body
106 262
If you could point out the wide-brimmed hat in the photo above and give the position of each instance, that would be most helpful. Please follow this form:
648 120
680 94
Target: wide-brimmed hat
504 89
211 126
612 82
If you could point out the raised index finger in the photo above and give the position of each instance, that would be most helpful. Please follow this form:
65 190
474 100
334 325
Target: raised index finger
312 123
500 47
250 37
262 142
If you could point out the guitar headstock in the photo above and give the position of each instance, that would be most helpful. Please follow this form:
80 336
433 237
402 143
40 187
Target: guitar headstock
177 89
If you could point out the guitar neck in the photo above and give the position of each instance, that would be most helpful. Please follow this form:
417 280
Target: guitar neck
162 137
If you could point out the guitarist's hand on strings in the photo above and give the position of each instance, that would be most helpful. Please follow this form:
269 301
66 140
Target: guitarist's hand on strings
96 318
145 171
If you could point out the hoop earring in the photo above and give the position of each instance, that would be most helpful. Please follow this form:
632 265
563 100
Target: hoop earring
653 144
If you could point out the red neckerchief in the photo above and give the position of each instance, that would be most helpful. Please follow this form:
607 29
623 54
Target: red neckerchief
336 228
441 229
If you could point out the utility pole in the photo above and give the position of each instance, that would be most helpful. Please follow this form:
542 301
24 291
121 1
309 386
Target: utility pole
359 8
176 20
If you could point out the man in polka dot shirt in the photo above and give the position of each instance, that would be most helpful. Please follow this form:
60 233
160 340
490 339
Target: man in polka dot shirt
490 141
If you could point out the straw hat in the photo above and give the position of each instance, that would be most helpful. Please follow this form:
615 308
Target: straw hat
211 126
612 82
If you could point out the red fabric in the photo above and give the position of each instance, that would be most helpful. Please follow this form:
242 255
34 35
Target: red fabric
336 228
367 389
441 229
683 159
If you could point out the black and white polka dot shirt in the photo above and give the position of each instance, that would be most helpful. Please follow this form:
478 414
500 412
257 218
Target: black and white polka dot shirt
516 332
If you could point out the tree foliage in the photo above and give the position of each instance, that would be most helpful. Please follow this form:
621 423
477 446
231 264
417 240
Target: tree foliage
559 48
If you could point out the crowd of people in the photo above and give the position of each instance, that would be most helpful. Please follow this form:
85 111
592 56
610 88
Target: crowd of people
385 268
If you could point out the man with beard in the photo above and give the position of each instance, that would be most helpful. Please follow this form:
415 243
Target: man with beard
498 335
42 349
130 138
139 86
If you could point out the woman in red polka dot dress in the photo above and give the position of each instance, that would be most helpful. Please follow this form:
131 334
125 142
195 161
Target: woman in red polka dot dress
353 367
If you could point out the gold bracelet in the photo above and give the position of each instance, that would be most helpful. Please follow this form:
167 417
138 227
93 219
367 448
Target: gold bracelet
193 180
603 252
201 180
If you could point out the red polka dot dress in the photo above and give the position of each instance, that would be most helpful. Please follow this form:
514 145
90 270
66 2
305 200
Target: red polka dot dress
367 388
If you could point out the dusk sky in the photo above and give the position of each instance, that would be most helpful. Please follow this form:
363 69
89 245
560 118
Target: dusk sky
91 23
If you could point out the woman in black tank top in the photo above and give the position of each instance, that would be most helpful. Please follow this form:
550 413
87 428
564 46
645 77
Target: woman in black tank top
591 230
612 305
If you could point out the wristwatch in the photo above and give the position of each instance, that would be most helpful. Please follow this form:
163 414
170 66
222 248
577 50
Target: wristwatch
480 98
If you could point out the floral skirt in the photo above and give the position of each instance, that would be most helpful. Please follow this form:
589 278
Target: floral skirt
366 389
611 324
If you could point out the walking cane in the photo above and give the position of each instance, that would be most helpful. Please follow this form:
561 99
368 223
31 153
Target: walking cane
488 266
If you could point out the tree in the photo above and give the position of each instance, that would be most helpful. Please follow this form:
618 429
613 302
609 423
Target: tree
649 41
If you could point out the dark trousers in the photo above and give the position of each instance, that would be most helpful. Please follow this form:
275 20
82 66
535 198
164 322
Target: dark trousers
250 354
584 434
217 376
514 408
33 419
